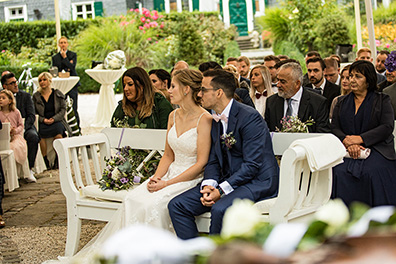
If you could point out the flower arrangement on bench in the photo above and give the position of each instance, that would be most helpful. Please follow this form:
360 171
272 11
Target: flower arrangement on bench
293 124
121 171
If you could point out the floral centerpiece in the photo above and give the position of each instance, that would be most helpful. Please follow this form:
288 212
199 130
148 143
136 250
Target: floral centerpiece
390 62
121 172
123 123
293 124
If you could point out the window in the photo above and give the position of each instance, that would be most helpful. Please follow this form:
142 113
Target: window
15 13
83 10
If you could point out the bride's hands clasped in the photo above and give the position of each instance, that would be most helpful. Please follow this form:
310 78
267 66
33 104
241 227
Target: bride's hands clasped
156 184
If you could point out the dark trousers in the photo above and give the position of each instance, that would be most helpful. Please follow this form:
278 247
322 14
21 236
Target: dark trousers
33 140
73 94
1 189
184 208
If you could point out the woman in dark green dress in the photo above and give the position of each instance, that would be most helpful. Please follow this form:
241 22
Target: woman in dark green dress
142 106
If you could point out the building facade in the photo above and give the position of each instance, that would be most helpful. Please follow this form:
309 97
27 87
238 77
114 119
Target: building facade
238 12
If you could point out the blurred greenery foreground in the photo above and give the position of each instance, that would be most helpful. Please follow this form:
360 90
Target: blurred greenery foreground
335 234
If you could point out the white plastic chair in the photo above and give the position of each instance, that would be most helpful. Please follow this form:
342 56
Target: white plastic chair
8 159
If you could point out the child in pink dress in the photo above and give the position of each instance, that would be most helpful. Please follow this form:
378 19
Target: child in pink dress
9 113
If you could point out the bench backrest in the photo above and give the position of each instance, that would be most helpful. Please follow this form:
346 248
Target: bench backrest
146 139
282 141
96 145
301 191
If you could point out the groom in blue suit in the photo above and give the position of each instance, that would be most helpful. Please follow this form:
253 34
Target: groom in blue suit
241 161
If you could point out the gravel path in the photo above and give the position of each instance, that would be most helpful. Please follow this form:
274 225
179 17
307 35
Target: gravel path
35 213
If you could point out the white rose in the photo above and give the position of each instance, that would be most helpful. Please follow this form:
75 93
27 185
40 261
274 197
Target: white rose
334 213
116 174
114 63
240 219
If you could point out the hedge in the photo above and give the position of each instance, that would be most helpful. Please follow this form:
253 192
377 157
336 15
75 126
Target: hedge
14 35
88 85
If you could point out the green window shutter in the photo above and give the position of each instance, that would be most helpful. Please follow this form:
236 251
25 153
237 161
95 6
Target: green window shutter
196 5
98 7
159 5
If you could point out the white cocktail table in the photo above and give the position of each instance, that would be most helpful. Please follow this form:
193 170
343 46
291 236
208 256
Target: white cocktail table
107 102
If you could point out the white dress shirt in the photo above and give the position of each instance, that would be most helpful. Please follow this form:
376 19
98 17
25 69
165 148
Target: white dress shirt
296 98
225 186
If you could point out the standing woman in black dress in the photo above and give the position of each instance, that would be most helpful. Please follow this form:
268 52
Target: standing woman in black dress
364 119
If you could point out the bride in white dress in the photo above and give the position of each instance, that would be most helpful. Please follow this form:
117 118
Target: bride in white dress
186 154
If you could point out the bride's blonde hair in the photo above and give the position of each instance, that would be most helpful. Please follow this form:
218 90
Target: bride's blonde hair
191 78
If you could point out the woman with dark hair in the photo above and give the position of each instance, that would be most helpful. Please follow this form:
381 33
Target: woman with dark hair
363 121
161 80
345 88
142 106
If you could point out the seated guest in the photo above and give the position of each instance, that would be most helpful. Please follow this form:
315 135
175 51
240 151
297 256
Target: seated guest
310 54
391 77
241 94
24 103
209 65
243 66
50 105
9 113
364 119
234 71
365 54
270 61
294 100
332 71
319 84
141 105
260 79
380 61
2 181
180 65
161 80
345 88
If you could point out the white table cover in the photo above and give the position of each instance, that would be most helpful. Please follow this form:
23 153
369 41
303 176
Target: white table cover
62 84
107 102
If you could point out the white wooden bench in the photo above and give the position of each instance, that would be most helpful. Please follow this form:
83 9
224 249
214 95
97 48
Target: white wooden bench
80 206
78 181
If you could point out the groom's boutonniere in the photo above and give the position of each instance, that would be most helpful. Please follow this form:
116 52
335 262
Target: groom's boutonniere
228 140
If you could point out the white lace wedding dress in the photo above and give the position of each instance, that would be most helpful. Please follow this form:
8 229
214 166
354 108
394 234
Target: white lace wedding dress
141 206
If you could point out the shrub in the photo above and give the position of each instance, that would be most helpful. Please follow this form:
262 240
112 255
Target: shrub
287 48
331 30
275 21
135 34
231 50
385 15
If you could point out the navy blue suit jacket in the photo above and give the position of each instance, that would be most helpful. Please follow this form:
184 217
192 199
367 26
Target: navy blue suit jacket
251 159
